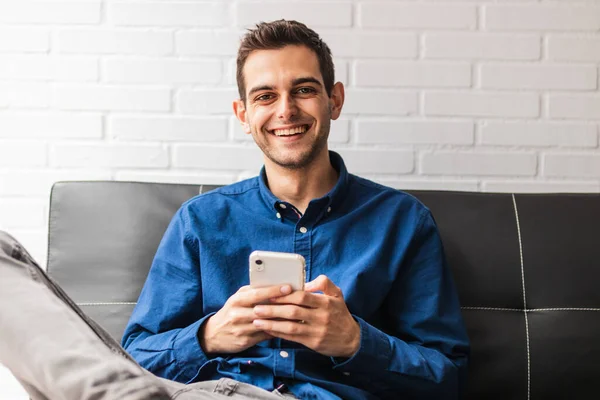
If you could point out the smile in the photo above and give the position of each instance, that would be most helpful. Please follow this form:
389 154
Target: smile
290 131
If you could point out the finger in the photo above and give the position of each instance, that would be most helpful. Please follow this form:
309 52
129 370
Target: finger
300 298
302 339
289 312
241 315
252 331
323 284
275 328
253 296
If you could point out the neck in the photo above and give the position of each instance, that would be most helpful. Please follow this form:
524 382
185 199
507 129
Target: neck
300 186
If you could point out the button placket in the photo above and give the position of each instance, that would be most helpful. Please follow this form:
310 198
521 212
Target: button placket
284 364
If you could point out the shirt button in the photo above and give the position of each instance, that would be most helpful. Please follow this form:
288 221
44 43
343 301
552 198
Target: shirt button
303 230
328 209
282 206
278 215
284 354
346 373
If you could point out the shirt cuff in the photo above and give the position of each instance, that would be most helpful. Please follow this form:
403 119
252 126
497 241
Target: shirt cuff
373 353
189 355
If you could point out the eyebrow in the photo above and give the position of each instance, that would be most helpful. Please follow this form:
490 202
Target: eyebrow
308 79
295 82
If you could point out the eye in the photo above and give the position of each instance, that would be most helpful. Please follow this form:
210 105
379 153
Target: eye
264 97
306 90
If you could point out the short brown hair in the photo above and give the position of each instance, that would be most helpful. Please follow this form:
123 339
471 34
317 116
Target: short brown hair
277 34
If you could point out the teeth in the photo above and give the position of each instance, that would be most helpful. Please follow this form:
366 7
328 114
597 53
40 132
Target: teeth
288 132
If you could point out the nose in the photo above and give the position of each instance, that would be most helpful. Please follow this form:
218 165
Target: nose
287 108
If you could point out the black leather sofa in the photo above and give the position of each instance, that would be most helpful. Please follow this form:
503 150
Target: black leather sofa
527 269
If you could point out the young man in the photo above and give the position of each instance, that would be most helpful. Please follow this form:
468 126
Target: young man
379 317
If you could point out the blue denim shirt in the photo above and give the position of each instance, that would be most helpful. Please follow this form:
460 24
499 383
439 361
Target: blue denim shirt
379 245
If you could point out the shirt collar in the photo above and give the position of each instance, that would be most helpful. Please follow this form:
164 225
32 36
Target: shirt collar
335 195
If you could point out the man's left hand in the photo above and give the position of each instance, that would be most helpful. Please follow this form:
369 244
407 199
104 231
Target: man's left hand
320 322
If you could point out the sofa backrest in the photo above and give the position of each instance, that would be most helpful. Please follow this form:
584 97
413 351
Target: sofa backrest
526 268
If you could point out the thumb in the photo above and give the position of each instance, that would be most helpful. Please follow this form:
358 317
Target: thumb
323 284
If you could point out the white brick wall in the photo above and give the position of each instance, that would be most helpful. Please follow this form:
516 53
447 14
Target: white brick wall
471 95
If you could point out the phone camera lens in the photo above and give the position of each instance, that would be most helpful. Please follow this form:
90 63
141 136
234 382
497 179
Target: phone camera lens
258 262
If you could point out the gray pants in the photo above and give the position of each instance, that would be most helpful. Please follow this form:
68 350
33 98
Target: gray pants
58 353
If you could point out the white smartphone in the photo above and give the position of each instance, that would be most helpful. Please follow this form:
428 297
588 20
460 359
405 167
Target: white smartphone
268 268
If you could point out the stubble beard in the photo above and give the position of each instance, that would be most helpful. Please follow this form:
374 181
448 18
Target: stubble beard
306 158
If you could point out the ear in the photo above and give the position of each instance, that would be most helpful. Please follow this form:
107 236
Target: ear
239 109
336 100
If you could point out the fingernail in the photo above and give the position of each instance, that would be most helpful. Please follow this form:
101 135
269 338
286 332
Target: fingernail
259 310
258 323
286 289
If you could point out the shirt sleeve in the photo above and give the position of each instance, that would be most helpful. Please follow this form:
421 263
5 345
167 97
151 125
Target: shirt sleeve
162 332
424 351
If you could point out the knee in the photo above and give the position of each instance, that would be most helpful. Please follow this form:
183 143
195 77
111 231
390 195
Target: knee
7 243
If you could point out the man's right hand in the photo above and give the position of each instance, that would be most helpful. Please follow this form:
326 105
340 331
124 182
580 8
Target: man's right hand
231 329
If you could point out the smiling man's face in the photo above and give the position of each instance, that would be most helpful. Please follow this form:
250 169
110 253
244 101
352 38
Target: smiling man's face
287 109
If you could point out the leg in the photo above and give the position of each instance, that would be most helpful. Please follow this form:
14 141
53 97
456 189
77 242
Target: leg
227 388
57 352
51 349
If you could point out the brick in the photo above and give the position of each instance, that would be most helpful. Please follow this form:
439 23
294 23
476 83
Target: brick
380 102
172 13
48 68
109 155
481 163
413 16
572 165
574 106
315 14
25 95
22 154
542 17
50 125
50 12
540 187
481 46
208 43
482 104
367 161
193 178
115 41
206 101
412 74
430 184
574 48
541 134
37 183
565 77
168 128
414 132
93 97
75 69
226 158
364 44
22 213
163 71
24 40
